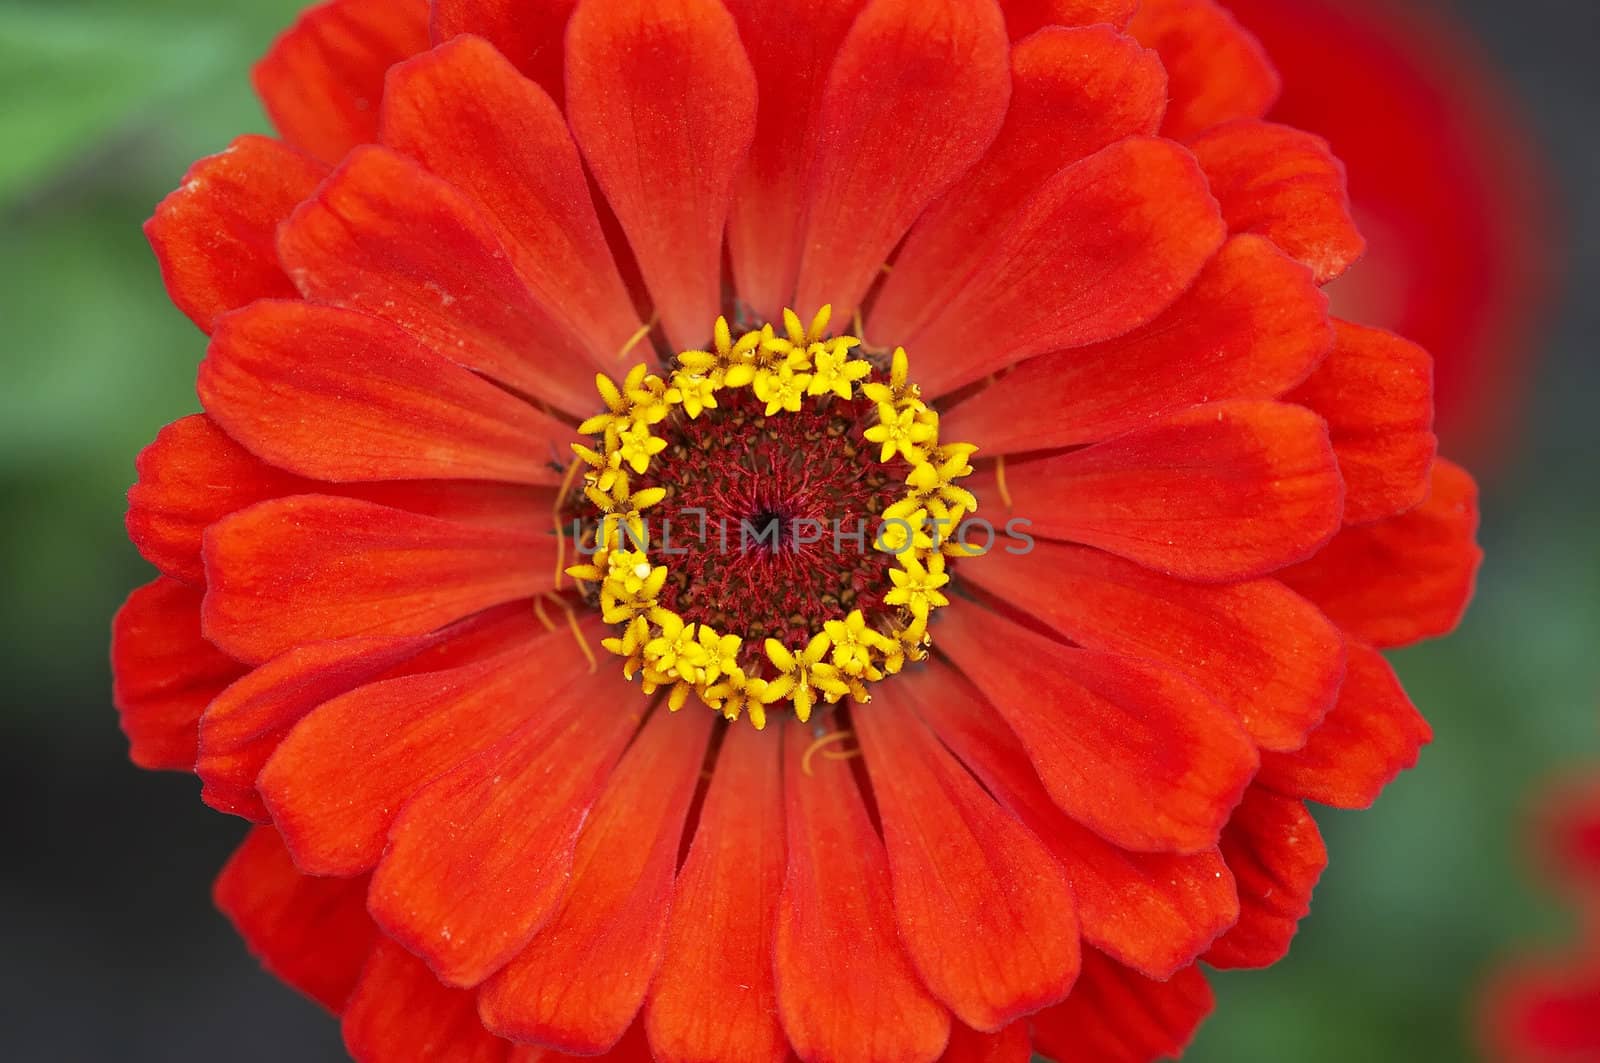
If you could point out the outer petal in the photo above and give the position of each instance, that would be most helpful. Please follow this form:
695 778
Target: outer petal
1103 247
1405 579
1127 747
792 46
917 94
1228 491
1283 184
612 924
530 33
401 1012
339 777
1010 1045
1155 912
244 724
1117 1016
1275 851
714 999
662 99
1218 71
847 992
386 237
1253 326
1372 734
338 395
1073 92
1257 648
322 80
314 567
464 113
164 673
214 236
314 933
192 476
481 858
1023 17
984 909
1376 392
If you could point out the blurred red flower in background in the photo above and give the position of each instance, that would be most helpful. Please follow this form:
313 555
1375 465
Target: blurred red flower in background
1448 186
1547 1010
1108 270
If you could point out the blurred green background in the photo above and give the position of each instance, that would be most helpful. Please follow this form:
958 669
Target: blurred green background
112 948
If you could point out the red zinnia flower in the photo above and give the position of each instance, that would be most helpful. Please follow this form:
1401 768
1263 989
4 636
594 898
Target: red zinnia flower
1447 185
378 630
1548 1011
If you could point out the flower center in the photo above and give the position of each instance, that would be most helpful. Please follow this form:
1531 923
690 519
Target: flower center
771 522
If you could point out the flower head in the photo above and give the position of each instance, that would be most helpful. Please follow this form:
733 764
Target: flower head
543 606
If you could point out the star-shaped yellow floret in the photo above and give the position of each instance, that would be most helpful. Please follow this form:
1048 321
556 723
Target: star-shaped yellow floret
899 391
629 645
804 675
675 651
854 644
834 371
636 446
781 389
916 586
899 431
739 695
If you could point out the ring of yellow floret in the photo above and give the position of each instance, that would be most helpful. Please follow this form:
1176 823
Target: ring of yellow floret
783 371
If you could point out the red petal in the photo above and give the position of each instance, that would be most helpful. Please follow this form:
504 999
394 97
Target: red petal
983 907
386 237
338 395
164 673
1023 17
792 45
1073 92
530 33
1253 326
1129 748
1010 1045
214 236
1218 71
314 933
612 924
916 95
322 80
1276 854
314 567
337 779
1373 734
1102 248
463 112
714 999
1229 491
1283 184
401 1012
1376 392
846 989
1404 579
481 858
1257 648
1153 911
1117 1016
662 99
192 476
244 724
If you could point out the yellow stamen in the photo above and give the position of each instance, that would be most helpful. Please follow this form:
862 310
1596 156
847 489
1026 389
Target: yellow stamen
638 337
832 738
1000 482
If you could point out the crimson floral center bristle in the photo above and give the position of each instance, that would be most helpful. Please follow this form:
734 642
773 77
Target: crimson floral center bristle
771 522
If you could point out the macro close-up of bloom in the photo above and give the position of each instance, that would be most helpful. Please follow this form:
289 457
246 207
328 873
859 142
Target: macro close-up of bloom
737 530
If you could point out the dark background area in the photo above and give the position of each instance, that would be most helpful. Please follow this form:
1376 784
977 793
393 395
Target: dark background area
112 950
